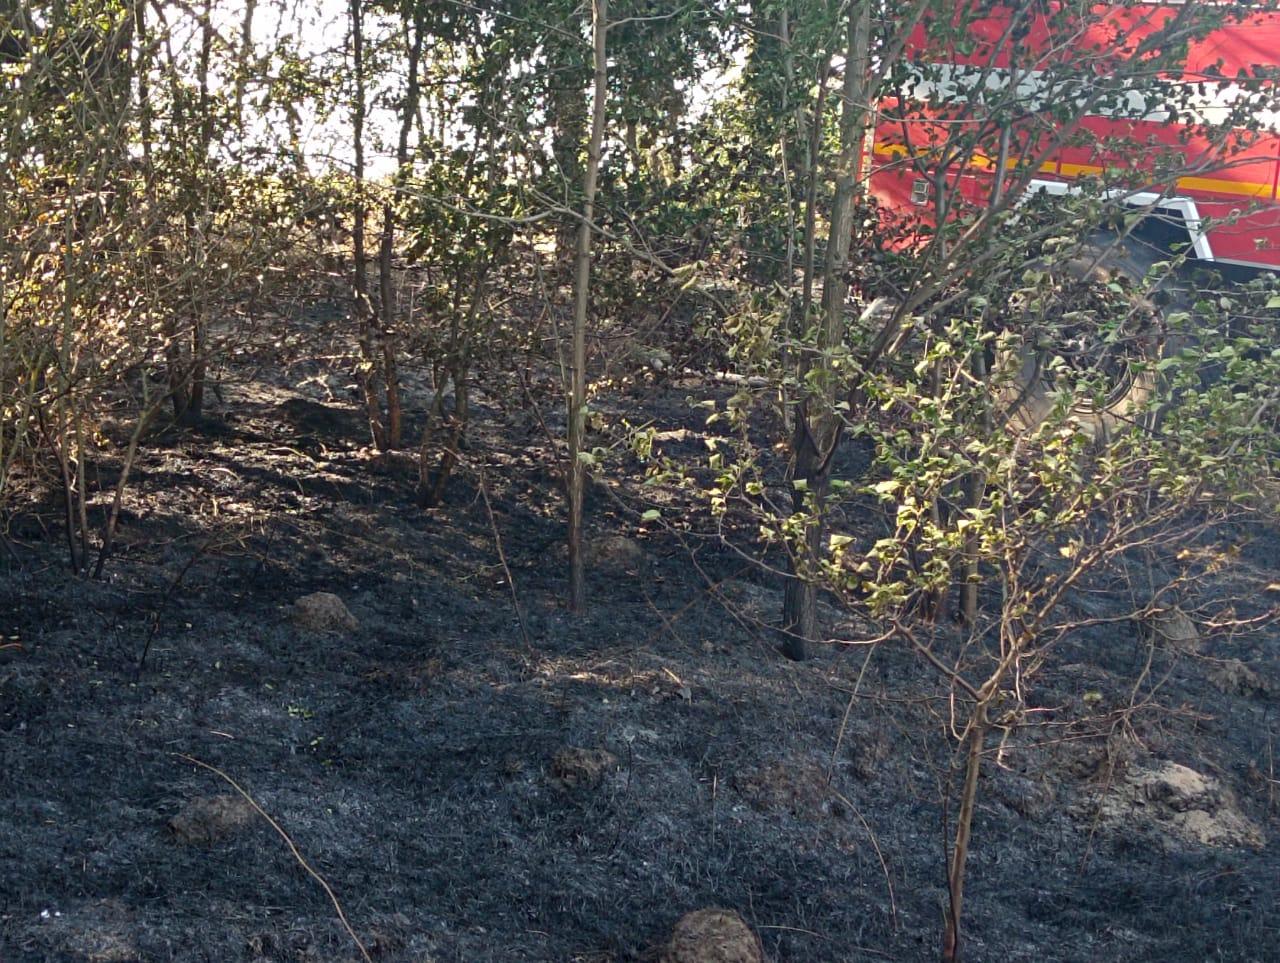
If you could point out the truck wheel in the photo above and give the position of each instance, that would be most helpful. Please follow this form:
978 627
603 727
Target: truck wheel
1090 321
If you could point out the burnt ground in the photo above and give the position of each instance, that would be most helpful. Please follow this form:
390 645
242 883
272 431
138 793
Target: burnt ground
423 762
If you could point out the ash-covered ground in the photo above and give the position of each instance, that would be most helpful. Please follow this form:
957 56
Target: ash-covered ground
470 794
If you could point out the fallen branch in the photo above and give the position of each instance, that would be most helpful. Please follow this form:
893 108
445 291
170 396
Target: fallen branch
293 848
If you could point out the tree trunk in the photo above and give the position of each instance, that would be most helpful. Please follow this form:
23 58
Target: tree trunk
176 383
817 427
812 468
581 291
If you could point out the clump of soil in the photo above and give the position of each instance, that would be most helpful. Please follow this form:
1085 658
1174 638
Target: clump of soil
615 551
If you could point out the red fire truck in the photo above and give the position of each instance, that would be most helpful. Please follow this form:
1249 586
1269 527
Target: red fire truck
1058 99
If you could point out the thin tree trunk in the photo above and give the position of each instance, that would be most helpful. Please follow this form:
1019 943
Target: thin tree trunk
788 73
568 109
242 68
408 111
977 486
66 378
977 482
130 458
631 137
365 321
456 368
812 157
581 292
817 426
68 492
964 827
199 362
142 68
82 489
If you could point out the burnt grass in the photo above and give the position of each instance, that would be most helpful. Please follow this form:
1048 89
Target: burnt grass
417 761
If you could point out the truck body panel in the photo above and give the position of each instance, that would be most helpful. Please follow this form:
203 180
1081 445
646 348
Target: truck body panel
1198 149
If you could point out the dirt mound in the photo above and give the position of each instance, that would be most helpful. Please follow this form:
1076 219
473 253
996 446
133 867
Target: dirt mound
323 612
575 768
311 417
1180 803
615 551
210 819
1235 678
1172 627
797 786
713 936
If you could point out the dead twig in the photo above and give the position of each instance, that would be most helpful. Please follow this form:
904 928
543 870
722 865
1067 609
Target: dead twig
293 848
844 720
502 559
113 519
875 844
164 601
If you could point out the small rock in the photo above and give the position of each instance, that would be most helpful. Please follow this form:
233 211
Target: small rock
713 936
323 612
575 768
679 435
211 818
311 417
653 356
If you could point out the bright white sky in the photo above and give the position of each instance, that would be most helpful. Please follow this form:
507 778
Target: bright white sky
317 30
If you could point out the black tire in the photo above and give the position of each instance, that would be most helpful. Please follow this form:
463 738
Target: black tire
1105 277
